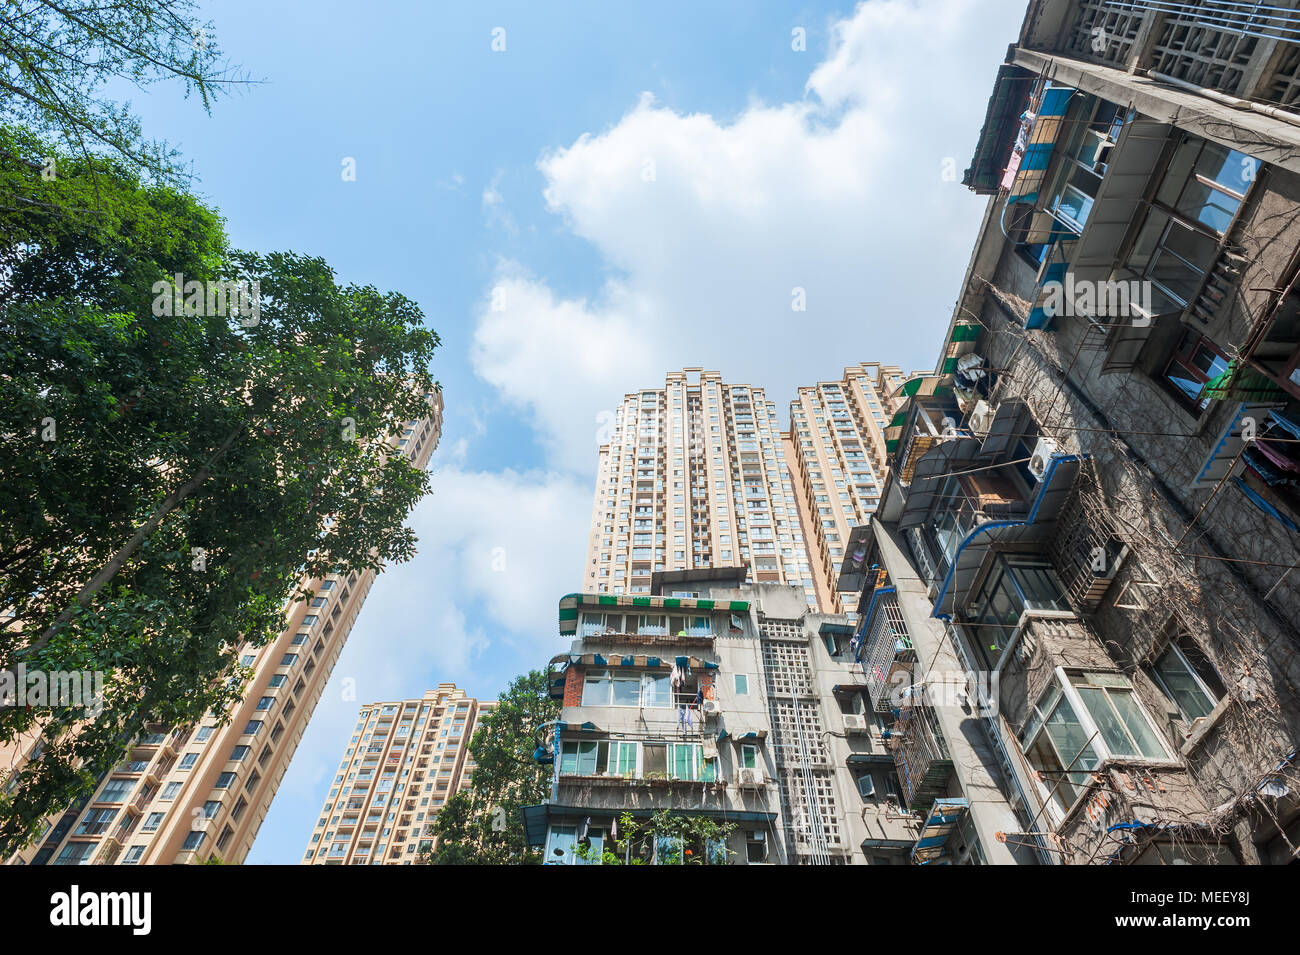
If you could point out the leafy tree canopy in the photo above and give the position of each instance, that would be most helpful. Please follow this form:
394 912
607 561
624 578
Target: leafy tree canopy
484 825
170 467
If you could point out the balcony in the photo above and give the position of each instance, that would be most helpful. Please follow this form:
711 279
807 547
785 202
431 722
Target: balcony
886 651
920 755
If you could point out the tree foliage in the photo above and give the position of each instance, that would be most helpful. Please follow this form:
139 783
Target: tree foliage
484 825
165 479
58 56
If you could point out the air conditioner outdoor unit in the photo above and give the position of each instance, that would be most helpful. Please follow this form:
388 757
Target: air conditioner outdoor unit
981 417
751 778
855 723
711 708
1041 457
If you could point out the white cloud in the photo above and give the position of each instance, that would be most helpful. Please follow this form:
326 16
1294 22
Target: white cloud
498 547
711 226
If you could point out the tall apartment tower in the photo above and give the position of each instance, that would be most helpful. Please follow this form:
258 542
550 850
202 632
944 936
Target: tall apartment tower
695 475
190 794
404 760
836 448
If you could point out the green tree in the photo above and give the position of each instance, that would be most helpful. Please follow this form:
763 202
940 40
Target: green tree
484 825
57 57
166 478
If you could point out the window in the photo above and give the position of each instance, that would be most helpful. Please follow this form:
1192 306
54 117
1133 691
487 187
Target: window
1072 728
686 761
1202 189
748 757
265 703
188 761
254 727
612 688
211 808
289 659
1194 362
133 855
75 853
96 821
224 781
755 846
193 840
742 684
170 791
1013 586
203 733
599 758
238 753
152 822
116 790
1188 678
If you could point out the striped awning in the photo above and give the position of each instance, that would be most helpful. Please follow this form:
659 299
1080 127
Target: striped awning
570 604
644 661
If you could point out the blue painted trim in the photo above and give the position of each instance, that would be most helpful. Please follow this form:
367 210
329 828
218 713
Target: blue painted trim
1043 485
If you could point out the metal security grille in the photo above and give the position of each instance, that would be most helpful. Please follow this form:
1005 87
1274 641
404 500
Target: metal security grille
887 641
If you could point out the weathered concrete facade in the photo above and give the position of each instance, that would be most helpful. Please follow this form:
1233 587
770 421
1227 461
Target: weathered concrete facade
720 699
1095 494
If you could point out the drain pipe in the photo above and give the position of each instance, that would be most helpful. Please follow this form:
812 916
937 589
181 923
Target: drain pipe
1273 112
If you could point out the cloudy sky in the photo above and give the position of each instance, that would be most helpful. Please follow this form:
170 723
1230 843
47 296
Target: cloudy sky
624 189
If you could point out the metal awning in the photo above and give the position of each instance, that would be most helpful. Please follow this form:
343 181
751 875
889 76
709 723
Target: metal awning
871 759
1052 492
1009 99
570 604
1010 423
945 815
1229 442
928 475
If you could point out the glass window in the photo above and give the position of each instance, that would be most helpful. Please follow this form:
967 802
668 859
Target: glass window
1113 707
1054 740
1188 679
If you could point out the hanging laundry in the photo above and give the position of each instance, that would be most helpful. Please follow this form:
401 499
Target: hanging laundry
1277 455
1285 423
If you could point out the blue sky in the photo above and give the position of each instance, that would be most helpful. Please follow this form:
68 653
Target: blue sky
642 185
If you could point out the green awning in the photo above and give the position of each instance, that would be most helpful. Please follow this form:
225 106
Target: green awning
571 603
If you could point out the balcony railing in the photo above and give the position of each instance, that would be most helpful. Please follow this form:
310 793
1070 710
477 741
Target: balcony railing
887 649
920 755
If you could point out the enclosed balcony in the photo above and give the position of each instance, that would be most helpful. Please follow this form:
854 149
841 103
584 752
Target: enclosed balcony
885 650
920 755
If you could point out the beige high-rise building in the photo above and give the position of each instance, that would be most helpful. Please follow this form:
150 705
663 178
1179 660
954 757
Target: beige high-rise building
190 794
404 760
836 447
694 475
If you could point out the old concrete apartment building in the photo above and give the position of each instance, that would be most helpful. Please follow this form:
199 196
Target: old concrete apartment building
404 760
1081 574
716 697
193 793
